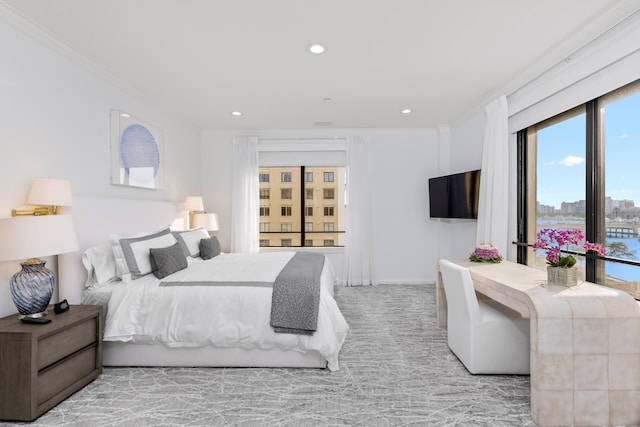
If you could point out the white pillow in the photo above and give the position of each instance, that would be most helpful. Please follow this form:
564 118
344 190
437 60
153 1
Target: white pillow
123 270
136 251
100 264
190 241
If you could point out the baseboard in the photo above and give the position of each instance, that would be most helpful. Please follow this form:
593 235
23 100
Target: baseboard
406 282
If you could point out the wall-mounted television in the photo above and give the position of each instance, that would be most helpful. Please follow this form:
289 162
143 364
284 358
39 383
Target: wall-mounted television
454 196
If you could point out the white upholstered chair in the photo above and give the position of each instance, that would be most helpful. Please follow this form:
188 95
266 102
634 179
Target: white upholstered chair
487 337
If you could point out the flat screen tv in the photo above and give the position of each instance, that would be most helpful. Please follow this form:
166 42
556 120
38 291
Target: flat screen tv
454 196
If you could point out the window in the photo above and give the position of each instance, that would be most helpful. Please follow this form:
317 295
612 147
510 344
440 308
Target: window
264 193
327 226
264 211
581 172
329 242
328 177
328 193
285 242
560 158
285 176
264 177
300 219
264 242
264 227
618 115
285 193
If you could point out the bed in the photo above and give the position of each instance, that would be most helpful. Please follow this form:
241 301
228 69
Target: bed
215 312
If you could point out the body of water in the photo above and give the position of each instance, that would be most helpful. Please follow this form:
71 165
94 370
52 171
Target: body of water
629 273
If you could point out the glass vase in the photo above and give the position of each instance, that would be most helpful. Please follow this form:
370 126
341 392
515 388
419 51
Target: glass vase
32 287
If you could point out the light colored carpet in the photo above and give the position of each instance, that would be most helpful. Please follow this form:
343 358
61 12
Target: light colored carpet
395 369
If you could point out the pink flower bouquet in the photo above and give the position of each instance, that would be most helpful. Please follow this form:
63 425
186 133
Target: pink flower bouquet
552 240
486 253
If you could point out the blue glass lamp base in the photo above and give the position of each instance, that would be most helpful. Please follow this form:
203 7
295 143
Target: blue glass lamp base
32 288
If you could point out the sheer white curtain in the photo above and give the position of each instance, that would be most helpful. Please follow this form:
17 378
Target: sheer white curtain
244 206
359 236
493 207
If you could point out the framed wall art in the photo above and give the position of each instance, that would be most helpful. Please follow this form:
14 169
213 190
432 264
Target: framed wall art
136 152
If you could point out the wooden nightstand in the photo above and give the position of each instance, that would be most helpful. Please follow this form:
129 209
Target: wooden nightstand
41 365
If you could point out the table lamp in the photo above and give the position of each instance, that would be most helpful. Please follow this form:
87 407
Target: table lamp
35 236
206 221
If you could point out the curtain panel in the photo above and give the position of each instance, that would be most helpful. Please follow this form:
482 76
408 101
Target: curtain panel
245 236
493 206
358 254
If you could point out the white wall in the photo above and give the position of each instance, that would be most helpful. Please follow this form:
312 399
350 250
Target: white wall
405 247
54 117
404 237
467 139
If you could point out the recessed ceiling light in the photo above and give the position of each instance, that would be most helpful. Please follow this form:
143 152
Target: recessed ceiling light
327 100
406 111
236 113
316 48
124 115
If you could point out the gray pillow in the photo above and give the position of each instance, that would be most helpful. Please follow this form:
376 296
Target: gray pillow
209 247
166 261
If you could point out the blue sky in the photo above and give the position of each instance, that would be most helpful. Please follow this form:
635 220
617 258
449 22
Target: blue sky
561 156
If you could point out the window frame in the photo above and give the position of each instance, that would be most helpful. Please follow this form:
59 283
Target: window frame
299 195
285 176
286 193
327 175
326 192
285 211
595 225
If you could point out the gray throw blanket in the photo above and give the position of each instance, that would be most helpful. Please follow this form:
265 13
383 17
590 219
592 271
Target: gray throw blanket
296 295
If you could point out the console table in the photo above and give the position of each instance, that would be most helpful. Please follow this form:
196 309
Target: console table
585 344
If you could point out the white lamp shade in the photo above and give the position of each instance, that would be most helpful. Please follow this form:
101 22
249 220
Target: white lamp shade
206 221
50 192
194 203
36 236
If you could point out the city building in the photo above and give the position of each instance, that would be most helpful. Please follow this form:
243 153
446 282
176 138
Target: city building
297 214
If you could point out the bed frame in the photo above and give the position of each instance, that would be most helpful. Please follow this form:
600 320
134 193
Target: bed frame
94 220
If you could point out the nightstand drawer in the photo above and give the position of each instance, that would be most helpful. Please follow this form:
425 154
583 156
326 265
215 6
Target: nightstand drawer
69 340
57 378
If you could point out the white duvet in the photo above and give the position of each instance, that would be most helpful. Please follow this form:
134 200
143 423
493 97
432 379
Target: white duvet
222 316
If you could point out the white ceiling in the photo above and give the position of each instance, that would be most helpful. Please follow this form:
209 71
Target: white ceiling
203 59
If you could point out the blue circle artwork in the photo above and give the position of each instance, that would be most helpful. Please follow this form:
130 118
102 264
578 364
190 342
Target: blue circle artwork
138 149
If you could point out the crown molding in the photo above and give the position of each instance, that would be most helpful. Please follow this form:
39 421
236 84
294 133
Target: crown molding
46 38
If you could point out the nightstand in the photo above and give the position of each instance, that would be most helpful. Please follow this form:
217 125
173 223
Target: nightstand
41 365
